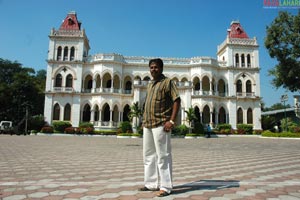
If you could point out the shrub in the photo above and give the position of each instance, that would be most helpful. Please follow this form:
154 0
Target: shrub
180 130
198 128
224 128
47 129
60 126
36 122
282 134
125 127
125 134
257 132
296 129
105 132
191 134
88 130
244 129
70 130
86 125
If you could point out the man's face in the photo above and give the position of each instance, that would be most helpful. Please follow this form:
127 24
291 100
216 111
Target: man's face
155 70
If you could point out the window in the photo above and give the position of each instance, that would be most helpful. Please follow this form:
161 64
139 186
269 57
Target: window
86 117
239 86
65 53
239 116
67 113
248 61
59 49
69 81
56 111
72 56
237 62
249 116
58 80
243 60
248 87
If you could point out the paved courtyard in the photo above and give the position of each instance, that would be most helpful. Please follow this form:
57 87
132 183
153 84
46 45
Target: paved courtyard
82 167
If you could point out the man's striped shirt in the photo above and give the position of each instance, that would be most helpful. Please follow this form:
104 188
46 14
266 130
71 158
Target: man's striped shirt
159 101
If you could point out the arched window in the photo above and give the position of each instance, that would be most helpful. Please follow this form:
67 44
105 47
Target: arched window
248 87
197 113
248 60
205 85
106 113
243 60
58 80
86 117
66 53
96 114
56 111
222 116
72 56
239 86
69 81
147 78
59 50
67 112
126 110
237 62
221 88
206 115
240 116
249 116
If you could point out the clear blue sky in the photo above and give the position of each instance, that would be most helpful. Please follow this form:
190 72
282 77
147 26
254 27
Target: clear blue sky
164 28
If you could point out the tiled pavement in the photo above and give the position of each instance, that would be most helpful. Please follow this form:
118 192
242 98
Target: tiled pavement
81 167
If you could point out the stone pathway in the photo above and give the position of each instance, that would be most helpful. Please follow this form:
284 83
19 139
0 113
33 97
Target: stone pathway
90 168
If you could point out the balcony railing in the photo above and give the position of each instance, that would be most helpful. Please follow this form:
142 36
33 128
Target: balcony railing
209 93
245 94
63 89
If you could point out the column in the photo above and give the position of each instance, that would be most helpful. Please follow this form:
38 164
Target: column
100 117
112 86
94 86
211 88
110 118
101 83
201 90
92 116
201 121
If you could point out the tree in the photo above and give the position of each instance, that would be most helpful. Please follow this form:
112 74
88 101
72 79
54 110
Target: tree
277 106
191 116
283 43
21 90
135 112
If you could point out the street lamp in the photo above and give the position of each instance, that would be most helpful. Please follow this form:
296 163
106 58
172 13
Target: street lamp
284 98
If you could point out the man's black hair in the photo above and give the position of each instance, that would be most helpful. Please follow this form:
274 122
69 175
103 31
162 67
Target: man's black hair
158 61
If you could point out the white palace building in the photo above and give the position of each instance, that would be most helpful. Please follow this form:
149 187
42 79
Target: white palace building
101 88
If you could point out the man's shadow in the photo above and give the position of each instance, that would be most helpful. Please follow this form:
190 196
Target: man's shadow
205 184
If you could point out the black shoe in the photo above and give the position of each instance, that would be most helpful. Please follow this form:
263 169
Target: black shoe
148 189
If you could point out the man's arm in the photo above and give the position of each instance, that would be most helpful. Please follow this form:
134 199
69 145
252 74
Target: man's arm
175 109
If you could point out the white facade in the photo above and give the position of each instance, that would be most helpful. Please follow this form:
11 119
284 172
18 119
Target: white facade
100 88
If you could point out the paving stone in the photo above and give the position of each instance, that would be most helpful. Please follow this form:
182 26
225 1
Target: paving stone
38 195
109 168
59 192
15 197
287 197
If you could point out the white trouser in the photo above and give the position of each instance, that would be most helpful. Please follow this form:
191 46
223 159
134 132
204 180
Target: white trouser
157 158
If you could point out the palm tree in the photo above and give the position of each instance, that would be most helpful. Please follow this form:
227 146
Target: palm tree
135 112
191 116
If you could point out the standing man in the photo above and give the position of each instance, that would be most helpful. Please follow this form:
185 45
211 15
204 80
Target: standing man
161 106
